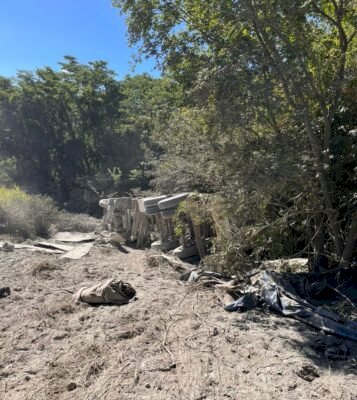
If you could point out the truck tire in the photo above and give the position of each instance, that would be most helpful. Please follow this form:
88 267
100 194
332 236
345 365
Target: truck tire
152 210
104 203
172 201
152 201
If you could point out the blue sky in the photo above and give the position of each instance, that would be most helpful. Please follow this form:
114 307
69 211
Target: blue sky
34 33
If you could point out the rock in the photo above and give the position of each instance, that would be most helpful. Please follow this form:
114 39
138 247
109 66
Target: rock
147 385
8 247
116 239
136 378
4 292
71 386
60 335
308 373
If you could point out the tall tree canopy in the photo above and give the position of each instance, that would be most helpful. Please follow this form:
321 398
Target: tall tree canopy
271 72
79 133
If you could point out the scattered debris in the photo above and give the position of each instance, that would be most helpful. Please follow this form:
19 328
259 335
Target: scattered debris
305 297
209 278
56 246
186 251
244 303
111 291
67 251
178 265
32 247
203 342
286 265
164 245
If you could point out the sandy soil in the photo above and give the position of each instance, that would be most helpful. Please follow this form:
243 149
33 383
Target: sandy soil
174 342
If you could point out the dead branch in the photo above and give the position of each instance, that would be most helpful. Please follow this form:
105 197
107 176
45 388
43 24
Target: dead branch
176 264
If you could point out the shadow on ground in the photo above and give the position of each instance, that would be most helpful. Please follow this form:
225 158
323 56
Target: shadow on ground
324 351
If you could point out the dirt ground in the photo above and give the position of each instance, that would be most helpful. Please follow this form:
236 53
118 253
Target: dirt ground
174 342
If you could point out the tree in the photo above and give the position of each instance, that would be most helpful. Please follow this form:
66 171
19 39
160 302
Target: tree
269 64
146 106
60 126
79 133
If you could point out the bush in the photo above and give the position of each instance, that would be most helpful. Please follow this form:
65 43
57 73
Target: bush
25 215
69 222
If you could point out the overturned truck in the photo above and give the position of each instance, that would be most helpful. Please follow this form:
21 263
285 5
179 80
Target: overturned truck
183 223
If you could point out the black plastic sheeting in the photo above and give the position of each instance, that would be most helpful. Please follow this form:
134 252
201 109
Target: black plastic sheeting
305 297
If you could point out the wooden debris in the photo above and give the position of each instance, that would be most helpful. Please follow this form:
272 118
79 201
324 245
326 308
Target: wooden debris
175 263
74 237
36 248
78 252
198 239
56 246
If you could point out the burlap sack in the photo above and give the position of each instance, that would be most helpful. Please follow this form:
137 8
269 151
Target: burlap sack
111 291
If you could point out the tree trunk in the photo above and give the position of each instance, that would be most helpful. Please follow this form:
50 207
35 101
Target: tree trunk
318 241
325 187
350 244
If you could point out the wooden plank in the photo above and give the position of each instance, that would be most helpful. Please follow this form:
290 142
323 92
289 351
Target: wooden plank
74 237
30 247
78 252
57 246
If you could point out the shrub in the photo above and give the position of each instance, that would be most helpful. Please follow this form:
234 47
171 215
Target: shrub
70 222
24 214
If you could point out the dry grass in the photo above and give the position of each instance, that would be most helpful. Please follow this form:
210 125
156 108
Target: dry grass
69 222
54 348
25 215
44 269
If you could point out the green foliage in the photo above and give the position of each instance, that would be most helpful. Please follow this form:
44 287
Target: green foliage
7 171
78 134
147 105
116 175
190 156
270 90
61 125
257 103
24 214
196 208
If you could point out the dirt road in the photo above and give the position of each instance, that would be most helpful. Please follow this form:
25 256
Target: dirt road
174 342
